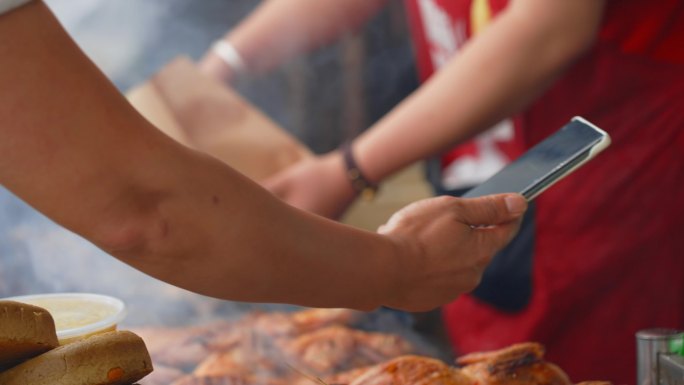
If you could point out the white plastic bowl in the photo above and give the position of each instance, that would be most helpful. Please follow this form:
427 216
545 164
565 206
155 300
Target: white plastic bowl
79 315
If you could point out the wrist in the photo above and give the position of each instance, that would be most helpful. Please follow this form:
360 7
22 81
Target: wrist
212 66
395 270
338 185
223 62
381 275
355 175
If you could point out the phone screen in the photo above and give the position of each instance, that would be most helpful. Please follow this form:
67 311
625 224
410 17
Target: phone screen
544 163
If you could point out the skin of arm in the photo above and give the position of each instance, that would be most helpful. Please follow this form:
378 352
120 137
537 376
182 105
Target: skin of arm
496 74
74 149
279 30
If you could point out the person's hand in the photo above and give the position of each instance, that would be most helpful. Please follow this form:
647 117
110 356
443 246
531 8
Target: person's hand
317 184
446 243
213 66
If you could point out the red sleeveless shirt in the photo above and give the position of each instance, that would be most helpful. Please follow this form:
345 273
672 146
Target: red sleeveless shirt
608 256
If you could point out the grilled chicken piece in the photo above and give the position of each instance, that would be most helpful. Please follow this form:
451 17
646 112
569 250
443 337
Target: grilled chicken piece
233 334
378 347
321 352
192 380
312 319
230 380
338 348
239 362
345 377
519 364
513 352
181 348
413 370
297 323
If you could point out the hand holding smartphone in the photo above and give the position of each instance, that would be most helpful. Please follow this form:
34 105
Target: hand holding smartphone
548 162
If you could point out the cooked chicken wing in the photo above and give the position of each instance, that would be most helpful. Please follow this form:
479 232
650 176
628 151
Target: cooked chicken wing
519 364
297 323
229 380
338 348
180 348
413 370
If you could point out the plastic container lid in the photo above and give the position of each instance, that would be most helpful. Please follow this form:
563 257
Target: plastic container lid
78 315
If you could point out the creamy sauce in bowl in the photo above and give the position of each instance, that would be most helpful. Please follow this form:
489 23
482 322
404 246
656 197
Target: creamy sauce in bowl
79 315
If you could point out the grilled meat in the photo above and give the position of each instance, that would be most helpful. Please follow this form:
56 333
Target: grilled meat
338 348
297 323
519 364
413 370
316 347
229 380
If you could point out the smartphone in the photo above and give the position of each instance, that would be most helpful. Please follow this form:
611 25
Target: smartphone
548 162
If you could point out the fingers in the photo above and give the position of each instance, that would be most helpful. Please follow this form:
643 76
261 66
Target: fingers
449 242
492 209
504 211
496 238
483 211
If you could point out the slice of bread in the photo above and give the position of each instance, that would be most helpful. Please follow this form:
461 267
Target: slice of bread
114 358
25 331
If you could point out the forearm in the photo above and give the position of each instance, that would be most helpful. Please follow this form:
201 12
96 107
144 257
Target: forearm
281 29
221 235
74 149
497 74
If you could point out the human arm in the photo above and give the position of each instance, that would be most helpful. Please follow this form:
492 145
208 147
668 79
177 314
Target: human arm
73 148
279 30
497 73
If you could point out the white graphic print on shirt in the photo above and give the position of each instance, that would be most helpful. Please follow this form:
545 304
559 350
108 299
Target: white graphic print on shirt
445 37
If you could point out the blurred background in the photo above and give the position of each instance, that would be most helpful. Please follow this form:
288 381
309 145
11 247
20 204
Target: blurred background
322 99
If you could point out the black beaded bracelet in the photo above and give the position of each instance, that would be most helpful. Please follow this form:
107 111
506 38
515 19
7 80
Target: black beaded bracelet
358 181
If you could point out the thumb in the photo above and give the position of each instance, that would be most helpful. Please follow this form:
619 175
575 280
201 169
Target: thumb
493 209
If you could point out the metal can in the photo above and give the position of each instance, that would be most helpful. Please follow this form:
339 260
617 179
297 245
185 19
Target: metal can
651 343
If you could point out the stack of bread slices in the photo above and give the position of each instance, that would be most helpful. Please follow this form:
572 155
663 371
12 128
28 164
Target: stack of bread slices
30 352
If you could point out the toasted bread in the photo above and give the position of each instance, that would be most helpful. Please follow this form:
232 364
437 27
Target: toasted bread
25 331
113 358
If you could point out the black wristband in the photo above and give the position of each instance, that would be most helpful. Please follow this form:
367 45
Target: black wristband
358 181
